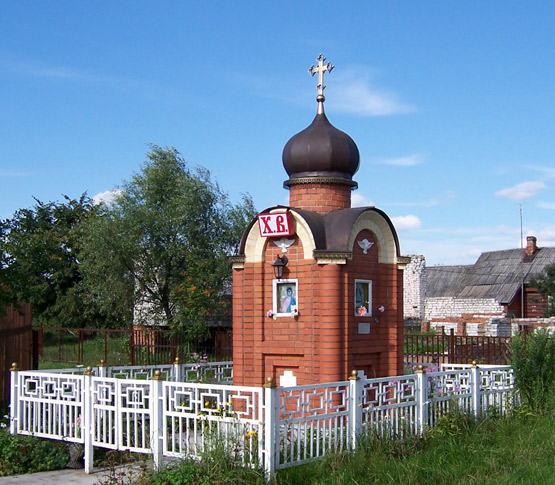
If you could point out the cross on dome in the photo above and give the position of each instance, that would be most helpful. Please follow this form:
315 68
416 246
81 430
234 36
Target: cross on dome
321 69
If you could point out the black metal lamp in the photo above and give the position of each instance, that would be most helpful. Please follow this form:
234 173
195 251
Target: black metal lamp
278 266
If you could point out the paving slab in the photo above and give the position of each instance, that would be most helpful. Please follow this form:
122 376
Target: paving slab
58 477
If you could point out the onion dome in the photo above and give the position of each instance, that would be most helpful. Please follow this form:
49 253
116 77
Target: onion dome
321 154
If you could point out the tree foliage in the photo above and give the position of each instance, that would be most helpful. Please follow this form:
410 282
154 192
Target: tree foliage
167 220
545 283
39 264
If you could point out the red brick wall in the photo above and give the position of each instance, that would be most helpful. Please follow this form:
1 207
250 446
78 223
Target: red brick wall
322 343
535 303
320 198
380 353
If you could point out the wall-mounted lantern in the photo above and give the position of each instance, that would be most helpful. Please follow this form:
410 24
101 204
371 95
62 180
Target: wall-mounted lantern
278 266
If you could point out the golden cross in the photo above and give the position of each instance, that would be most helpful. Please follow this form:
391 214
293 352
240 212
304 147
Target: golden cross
321 69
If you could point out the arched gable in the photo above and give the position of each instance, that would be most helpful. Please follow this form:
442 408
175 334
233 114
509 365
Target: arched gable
380 225
254 245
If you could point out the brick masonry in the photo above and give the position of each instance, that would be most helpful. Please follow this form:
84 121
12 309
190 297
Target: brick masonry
320 198
323 342
414 283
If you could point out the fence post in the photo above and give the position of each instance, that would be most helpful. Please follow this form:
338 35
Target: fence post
41 336
271 422
476 394
14 397
87 420
176 370
102 369
421 400
452 346
156 418
356 387
132 346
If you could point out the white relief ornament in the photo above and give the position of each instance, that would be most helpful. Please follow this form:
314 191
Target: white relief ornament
365 245
284 243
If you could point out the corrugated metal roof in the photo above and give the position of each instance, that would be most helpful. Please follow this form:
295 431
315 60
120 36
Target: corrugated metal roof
496 274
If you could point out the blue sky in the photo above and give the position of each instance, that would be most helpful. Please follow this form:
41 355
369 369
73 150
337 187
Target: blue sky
450 103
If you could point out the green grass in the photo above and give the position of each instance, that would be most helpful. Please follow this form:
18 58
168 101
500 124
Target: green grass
515 450
519 449
61 351
425 342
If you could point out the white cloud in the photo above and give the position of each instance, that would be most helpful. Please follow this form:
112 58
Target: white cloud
546 205
441 252
107 197
546 237
37 69
406 223
41 70
548 172
360 200
408 161
353 93
523 191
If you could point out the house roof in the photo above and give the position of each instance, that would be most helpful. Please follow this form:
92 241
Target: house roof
496 274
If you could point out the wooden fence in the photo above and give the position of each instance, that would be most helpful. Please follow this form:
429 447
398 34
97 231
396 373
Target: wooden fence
455 349
16 343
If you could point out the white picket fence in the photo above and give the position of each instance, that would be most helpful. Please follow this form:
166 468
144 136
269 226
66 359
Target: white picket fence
153 410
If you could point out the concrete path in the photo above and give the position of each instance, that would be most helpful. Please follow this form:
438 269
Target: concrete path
59 477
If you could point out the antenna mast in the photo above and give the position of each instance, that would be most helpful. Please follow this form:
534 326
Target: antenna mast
521 234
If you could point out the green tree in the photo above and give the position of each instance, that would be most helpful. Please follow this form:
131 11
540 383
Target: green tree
39 260
167 220
545 283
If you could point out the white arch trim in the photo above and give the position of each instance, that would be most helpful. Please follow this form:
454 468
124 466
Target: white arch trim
255 244
379 226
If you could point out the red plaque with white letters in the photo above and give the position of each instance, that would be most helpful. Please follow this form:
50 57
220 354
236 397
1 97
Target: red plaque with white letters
276 224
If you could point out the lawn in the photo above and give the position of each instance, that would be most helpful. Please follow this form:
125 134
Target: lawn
520 449
62 349
515 450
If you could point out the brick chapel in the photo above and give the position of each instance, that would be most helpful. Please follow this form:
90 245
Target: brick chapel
317 284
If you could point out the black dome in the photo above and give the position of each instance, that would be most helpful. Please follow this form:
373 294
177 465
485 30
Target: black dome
321 152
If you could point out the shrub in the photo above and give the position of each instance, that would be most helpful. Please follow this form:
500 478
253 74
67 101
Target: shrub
533 359
26 454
